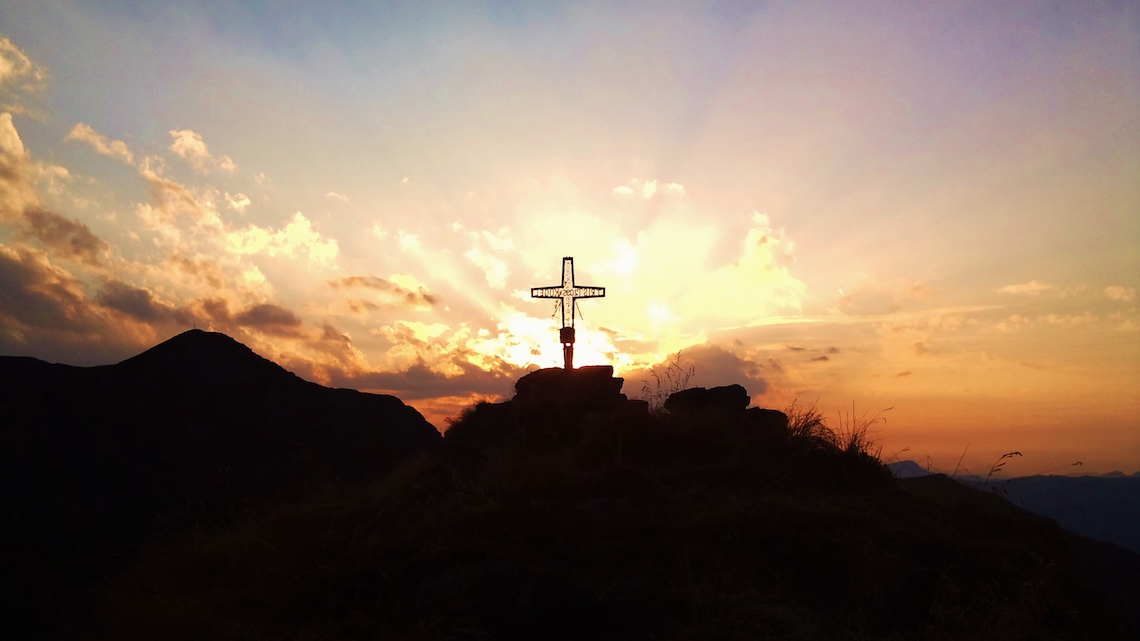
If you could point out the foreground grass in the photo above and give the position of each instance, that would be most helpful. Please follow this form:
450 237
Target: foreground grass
616 527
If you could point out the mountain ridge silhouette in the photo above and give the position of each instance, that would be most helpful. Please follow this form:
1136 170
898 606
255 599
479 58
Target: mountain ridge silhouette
94 460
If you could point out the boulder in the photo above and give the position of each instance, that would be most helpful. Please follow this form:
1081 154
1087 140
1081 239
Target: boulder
592 387
727 398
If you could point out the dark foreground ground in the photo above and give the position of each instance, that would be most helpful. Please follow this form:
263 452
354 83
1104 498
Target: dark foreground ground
531 524
198 491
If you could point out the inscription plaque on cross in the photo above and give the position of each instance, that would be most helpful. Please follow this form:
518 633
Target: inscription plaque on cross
567 294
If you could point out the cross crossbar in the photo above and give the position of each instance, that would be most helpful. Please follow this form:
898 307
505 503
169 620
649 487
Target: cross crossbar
568 292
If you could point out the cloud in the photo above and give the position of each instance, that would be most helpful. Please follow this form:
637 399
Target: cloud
189 145
1014 323
648 188
335 196
171 198
1120 293
494 269
44 312
201 267
1070 320
821 358
238 202
297 238
101 144
397 294
138 303
269 318
712 366
70 238
408 242
377 230
18 73
1032 288
16 172
419 381
38 295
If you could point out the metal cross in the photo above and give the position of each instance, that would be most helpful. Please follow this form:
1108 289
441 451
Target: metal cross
567 294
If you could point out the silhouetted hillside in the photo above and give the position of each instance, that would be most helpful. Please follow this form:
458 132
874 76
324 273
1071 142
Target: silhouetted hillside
94 460
1104 507
583 515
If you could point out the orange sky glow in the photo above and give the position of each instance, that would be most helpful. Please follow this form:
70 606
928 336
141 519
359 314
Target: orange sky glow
932 209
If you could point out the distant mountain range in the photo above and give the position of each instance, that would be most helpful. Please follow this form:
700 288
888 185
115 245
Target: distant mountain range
1104 507
94 460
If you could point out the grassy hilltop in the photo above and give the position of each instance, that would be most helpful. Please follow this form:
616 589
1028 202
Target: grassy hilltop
539 522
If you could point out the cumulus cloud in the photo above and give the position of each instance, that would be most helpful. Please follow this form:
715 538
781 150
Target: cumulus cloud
296 239
238 202
269 318
623 190
408 242
136 302
189 145
101 144
1032 288
648 188
34 293
66 237
45 312
1120 293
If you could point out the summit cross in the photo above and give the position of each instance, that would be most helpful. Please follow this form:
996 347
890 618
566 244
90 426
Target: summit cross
567 294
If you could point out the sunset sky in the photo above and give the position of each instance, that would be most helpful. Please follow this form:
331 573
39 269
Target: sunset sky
930 207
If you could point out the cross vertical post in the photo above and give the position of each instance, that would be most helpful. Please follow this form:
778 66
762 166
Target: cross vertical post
567 294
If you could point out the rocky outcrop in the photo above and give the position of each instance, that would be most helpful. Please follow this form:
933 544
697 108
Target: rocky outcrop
551 405
593 388
726 399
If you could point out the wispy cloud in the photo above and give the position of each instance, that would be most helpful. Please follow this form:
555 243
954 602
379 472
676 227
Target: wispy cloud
416 296
18 74
1032 288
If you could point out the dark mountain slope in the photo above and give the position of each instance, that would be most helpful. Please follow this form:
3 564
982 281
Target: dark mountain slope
543 518
93 460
